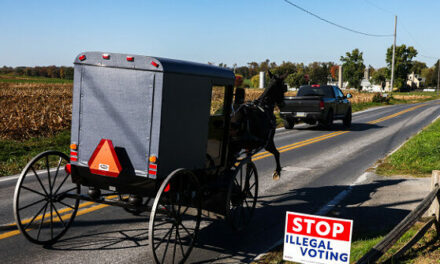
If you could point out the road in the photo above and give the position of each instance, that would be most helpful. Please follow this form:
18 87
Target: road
318 165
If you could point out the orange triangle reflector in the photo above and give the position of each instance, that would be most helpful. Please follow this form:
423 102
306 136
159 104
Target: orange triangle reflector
104 160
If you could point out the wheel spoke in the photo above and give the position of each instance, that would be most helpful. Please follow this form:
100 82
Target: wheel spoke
58 214
166 247
163 238
181 246
42 220
39 180
66 205
247 205
184 228
184 211
34 203
174 250
30 222
51 221
59 187
56 173
48 174
29 189
65 192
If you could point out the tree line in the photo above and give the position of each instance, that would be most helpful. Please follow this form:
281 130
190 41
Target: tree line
353 70
40 71
298 73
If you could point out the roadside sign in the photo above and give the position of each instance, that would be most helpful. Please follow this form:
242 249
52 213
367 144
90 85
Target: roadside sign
317 239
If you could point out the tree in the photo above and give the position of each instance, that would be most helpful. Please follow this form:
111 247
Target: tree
418 66
285 68
296 79
353 68
334 72
380 76
318 73
431 75
403 63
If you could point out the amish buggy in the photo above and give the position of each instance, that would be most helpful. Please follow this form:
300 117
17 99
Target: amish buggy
151 135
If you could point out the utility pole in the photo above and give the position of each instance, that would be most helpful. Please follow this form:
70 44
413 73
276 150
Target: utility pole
394 53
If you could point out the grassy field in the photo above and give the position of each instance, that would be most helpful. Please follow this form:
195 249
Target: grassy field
6 78
418 157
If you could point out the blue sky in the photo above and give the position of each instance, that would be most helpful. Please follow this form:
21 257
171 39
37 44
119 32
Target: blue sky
229 31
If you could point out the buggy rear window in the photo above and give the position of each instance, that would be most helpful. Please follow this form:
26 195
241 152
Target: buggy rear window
325 91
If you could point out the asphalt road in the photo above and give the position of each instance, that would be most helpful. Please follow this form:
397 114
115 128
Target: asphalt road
318 165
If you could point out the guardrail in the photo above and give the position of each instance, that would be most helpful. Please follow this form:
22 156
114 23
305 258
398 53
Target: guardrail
431 201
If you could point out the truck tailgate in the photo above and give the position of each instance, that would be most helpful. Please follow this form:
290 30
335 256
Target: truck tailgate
301 104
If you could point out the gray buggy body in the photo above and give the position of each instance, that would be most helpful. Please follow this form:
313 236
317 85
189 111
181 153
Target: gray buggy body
146 106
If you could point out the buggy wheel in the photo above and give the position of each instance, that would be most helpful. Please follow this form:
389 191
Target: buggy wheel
242 195
42 211
175 217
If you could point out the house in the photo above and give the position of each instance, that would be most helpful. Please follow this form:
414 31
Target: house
415 80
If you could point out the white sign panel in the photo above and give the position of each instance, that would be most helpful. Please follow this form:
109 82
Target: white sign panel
317 239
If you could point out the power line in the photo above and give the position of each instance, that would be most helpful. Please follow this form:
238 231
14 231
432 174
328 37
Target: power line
336 25
380 8
406 30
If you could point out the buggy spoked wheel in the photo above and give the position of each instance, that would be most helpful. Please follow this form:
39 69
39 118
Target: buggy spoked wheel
42 211
175 218
242 195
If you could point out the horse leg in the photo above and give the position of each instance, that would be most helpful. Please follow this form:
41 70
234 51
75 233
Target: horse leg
272 149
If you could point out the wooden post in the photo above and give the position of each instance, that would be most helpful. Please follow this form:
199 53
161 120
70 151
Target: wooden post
435 207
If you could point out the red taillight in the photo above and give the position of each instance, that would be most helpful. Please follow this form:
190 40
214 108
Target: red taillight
82 57
106 56
130 58
321 105
68 168
167 188
154 64
316 85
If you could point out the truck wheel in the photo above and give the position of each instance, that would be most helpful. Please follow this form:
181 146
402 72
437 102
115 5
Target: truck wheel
347 119
288 123
328 121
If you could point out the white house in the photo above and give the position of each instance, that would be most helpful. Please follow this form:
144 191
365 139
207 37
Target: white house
415 80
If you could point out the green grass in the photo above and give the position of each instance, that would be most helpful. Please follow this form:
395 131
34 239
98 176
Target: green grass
418 157
7 78
14 155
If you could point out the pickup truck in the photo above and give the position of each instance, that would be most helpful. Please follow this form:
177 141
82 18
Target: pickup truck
317 103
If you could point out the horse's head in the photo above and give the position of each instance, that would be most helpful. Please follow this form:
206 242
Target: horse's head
276 88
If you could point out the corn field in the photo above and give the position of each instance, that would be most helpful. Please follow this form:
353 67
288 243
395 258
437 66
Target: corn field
34 109
43 109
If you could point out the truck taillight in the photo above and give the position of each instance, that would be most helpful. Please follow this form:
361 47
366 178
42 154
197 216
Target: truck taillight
321 105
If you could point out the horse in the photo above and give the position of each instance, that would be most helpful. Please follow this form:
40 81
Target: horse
253 123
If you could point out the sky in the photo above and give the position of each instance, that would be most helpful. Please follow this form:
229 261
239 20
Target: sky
37 33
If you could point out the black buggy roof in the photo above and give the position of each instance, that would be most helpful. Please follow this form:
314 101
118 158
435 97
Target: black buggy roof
147 63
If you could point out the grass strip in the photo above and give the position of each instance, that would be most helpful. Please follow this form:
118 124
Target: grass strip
417 157
14 155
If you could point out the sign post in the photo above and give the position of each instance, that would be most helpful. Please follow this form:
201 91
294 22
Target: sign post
317 239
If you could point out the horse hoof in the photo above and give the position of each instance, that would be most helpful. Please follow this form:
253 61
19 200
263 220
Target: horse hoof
276 176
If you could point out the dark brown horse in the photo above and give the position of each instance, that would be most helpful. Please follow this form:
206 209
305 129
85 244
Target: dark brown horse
254 124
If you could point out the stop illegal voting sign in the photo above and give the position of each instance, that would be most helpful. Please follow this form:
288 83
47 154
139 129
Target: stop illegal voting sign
317 239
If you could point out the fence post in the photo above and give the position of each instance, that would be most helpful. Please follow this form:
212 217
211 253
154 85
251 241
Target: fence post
435 207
